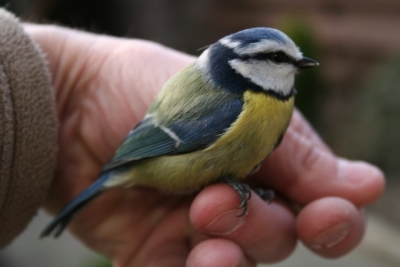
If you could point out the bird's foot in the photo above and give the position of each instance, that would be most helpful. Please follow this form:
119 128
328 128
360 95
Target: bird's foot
243 190
267 195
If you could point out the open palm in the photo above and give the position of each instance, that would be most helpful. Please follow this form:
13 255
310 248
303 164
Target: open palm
103 87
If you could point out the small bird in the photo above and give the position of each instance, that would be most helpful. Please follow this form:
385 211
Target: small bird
214 121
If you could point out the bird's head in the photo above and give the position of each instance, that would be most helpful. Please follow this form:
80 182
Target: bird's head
261 59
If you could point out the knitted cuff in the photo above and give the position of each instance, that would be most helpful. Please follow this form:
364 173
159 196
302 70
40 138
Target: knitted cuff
28 128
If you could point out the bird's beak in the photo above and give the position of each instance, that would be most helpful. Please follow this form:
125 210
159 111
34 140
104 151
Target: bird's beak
306 63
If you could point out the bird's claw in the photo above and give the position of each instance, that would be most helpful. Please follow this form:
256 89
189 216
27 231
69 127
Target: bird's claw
244 192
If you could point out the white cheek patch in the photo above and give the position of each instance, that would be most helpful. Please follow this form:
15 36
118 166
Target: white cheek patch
270 76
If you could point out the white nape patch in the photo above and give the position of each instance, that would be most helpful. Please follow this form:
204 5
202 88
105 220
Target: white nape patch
172 135
226 41
264 46
203 61
268 75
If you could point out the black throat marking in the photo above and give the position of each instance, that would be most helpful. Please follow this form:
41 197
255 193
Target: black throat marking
223 75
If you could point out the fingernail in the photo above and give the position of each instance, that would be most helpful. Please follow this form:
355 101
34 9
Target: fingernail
226 223
331 237
357 172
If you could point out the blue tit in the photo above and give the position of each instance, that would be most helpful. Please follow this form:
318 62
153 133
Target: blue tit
214 121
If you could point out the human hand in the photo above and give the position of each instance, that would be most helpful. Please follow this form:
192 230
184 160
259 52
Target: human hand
103 86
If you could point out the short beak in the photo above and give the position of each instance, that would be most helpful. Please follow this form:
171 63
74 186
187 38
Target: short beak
306 63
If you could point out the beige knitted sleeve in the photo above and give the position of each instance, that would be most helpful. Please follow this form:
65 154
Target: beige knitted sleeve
28 128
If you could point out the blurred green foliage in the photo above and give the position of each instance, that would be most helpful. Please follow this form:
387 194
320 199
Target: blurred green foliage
98 263
309 83
374 133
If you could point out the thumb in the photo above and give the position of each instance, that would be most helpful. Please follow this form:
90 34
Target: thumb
304 169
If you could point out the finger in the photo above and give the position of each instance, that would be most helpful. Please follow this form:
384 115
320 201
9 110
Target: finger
164 244
303 169
265 233
301 126
331 227
219 253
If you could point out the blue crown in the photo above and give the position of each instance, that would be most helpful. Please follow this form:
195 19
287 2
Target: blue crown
255 35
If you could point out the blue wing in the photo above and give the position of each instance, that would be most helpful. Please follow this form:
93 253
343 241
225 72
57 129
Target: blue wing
150 139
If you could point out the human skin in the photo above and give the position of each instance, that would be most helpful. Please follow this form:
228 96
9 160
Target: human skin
103 86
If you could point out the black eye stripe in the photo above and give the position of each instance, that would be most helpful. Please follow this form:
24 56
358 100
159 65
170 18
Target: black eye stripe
270 56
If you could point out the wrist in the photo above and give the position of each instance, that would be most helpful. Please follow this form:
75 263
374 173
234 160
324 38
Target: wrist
28 132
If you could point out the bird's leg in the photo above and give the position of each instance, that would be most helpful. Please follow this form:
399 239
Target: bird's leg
242 189
267 195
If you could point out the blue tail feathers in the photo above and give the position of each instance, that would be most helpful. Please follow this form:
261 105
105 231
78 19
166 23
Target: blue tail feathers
62 220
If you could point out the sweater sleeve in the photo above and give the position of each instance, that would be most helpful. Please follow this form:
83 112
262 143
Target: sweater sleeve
28 128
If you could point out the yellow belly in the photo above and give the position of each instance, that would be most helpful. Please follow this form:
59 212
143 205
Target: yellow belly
250 139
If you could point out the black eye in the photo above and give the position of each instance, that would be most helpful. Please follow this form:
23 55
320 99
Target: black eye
279 57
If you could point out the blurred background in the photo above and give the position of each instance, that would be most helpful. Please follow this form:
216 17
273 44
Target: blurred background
353 99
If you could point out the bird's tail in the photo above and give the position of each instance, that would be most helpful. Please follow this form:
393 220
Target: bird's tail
61 221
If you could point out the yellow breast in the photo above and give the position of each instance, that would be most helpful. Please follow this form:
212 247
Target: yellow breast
254 135
250 139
